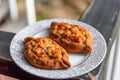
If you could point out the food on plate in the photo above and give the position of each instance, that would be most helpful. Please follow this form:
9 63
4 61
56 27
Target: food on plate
73 38
45 53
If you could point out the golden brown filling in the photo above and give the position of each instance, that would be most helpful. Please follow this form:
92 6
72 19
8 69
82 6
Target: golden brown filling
45 53
73 38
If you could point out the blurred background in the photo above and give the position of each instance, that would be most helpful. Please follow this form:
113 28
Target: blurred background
16 14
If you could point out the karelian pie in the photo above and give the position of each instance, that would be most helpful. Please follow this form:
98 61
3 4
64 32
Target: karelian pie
73 38
45 53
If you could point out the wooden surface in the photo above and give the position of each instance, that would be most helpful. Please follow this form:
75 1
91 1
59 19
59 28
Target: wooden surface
5 39
101 14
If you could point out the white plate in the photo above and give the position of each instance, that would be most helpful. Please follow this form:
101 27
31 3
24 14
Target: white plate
81 64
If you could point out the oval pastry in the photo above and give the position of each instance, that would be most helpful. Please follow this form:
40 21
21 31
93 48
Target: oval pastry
73 38
45 53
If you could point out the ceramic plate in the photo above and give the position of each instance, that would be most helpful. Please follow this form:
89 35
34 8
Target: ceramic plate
81 64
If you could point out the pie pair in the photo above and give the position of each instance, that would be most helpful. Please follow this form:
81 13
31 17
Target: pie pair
51 53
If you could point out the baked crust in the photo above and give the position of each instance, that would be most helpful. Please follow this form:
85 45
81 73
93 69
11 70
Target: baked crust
73 38
45 53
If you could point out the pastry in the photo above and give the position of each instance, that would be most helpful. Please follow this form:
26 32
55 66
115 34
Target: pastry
73 38
45 53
